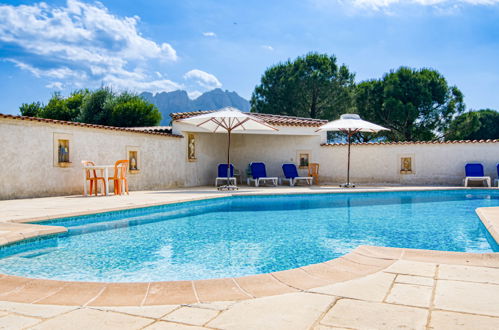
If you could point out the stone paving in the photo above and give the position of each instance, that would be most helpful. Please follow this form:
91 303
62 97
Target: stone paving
370 288
406 295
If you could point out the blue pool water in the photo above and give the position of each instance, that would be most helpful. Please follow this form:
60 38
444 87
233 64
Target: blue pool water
246 235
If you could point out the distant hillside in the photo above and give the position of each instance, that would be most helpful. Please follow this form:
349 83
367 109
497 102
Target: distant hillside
179 101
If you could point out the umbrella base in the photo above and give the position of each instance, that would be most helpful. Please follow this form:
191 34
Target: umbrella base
228 187
347 185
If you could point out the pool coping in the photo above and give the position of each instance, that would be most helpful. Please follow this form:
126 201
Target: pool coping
363 261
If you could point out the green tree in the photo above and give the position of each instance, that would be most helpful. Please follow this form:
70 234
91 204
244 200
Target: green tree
130 110
62 108
310 86
95 109
101 106
474 125
414 104
31 109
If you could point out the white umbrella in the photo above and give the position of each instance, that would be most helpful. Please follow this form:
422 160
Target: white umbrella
228 120
351 124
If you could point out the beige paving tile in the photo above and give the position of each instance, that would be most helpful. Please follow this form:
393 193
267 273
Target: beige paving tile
353 267
365 260
456 321
87 318
325 327
121 294
358 314
467 297
163 325
145 311
300 279
3 313
219 289
191 315
332 274
34 291
411 279
444 257
45 311
379 252
412 268
75 294
288 311
410 294
10 284
216 305
373 287
491 259
16 322
170 293
469 273
263 285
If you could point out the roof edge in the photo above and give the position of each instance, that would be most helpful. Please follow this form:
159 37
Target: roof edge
411 142
273 119
73 123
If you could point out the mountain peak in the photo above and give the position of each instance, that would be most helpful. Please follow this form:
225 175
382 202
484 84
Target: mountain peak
179 101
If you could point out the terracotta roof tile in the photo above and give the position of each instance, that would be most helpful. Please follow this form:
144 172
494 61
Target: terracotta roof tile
158 129
277 120
411 142
71 123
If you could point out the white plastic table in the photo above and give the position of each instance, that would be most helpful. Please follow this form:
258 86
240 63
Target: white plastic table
96 167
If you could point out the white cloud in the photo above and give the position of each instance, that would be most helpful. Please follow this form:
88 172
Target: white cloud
268 47
55 85
203 79
384 5
154 86
82 41
209 34
59 73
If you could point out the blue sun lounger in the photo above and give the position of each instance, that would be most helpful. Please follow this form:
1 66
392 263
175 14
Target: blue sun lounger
259 174
222 175
474 172
291 174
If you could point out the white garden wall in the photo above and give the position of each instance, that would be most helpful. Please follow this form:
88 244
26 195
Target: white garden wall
27 166
433 163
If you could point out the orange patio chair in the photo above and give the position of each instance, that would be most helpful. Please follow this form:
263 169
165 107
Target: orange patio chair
120 169
313 171
91 175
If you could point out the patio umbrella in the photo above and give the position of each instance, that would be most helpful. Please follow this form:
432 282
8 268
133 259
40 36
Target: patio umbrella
228 120
351 124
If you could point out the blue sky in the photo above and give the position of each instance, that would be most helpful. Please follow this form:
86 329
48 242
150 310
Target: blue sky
200 45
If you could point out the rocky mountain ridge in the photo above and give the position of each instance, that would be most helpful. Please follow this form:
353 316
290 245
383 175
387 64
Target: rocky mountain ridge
179 101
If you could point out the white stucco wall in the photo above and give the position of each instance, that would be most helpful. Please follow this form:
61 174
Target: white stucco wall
439 163
27 167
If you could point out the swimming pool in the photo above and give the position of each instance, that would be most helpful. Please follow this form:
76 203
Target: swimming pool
244 235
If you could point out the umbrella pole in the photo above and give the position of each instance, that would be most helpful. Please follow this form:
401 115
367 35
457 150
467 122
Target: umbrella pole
348 164
228 159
